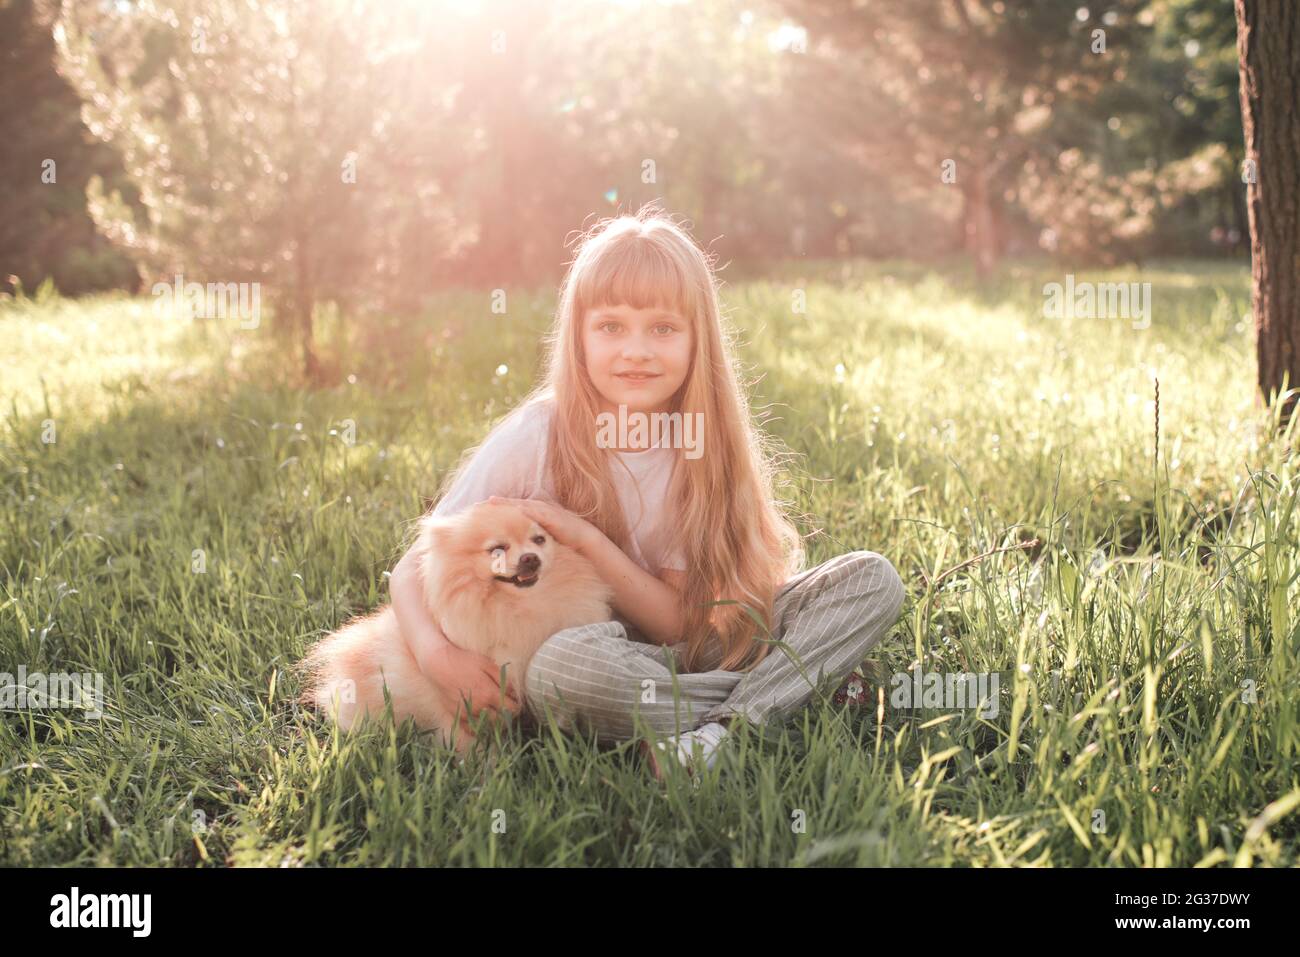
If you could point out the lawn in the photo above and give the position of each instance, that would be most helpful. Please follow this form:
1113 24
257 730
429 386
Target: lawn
183 519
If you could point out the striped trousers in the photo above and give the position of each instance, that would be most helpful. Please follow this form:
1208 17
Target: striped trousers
597 678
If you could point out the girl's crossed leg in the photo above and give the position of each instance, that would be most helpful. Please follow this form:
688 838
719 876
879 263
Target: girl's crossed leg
594 677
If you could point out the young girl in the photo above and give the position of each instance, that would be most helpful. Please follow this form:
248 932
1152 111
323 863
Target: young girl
670 529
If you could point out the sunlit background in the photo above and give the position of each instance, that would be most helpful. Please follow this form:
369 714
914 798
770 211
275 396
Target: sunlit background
338 149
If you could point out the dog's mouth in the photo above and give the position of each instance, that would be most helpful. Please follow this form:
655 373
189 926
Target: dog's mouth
519 581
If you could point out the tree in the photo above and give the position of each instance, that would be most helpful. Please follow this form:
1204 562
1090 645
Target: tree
1268 47
47 159
967 93
256 134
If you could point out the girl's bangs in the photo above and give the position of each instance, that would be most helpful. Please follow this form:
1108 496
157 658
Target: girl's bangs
637 274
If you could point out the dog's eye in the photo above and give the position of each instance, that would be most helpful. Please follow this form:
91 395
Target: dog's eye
539 539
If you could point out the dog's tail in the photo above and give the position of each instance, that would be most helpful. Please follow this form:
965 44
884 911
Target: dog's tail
334 669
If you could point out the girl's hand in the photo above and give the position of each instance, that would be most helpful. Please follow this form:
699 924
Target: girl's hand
471 679
565 527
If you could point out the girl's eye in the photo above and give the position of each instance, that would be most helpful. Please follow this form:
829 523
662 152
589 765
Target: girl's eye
496 551
668 329
539 539
606 325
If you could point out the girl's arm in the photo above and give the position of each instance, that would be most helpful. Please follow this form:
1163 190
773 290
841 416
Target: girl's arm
653 605
421 633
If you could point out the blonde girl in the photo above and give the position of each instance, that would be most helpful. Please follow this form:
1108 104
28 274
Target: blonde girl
638 334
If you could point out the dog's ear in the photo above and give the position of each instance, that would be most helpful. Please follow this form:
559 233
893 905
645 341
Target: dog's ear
434 544
435 530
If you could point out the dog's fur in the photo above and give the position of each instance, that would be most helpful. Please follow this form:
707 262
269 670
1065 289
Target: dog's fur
348 670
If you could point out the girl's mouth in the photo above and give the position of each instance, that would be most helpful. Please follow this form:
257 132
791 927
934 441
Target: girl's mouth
519 581
637 376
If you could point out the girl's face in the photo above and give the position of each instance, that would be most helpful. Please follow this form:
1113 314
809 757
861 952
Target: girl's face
637 357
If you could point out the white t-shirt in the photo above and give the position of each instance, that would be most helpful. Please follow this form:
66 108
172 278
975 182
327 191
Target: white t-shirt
512 464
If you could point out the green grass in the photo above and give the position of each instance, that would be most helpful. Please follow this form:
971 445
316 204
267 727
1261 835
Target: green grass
930 419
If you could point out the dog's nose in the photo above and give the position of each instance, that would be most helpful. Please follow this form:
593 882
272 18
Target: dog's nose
529 563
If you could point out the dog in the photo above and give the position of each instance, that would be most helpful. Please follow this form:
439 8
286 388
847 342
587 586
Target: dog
495 581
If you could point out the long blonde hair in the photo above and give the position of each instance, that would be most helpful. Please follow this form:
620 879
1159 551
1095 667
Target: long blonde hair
738 544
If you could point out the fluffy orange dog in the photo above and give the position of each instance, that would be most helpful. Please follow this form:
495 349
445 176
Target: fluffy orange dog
495 582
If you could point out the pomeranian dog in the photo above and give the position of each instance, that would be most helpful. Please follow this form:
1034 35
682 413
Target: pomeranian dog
496 582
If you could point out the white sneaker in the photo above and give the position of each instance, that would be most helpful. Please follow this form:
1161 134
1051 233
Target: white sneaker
692 749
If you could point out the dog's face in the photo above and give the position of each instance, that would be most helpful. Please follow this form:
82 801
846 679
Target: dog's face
495 543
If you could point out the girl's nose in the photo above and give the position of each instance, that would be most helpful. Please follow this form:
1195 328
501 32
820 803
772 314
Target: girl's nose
636 347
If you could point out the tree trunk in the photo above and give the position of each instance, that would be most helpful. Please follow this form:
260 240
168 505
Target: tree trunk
979 220
1268 47
304 305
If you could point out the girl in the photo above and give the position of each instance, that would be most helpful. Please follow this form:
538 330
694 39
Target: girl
638 330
